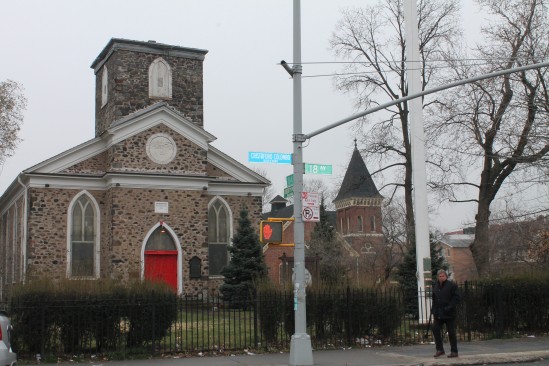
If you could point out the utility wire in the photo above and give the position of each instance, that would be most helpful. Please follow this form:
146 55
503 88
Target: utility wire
461 62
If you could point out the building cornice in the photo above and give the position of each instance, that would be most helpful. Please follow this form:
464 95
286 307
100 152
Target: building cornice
359 202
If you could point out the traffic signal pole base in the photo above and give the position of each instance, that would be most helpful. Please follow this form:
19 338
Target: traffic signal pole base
301 352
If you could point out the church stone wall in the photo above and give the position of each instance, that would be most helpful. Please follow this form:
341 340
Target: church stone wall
213 171
92 166
47 232
130 155
11 239
127 215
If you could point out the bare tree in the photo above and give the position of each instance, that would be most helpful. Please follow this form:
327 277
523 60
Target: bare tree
394 236
12 105
518 244
268 192
538 248
373 39
319 186
497 127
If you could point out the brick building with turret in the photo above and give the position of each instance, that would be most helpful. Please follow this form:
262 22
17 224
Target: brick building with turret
358 223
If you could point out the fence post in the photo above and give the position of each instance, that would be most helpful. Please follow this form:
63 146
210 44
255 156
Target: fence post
466 311
256 306
153 324
349 342
43 330
500 326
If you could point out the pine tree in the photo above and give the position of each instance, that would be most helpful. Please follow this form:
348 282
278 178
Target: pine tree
407 269
323 245
246 265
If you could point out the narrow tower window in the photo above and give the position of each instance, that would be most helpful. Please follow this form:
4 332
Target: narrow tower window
160 79
104 86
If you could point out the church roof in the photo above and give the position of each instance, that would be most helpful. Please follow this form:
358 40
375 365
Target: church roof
458 240
151 47
357 182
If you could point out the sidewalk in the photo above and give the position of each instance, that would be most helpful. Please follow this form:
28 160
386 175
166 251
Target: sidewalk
470 353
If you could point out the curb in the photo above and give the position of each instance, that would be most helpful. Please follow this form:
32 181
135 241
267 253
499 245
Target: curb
484 359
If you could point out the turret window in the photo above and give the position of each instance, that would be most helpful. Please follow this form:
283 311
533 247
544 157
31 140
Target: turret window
160 79
373 223
359 223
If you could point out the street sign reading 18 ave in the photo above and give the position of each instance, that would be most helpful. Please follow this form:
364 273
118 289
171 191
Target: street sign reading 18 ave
318 169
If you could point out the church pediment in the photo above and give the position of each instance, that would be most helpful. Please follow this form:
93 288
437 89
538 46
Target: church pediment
157 116
157 140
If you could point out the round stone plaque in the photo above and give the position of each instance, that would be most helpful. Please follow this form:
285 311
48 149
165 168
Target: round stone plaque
161 148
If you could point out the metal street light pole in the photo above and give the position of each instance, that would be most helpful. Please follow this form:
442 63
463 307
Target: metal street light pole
300 347
419 175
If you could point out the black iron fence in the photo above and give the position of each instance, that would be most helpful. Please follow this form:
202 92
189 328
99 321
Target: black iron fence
335 318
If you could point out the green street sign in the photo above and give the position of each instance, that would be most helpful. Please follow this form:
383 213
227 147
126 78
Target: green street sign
290 180
288 192
318 169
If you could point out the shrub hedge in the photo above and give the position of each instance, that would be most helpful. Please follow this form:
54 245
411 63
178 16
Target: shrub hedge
89 313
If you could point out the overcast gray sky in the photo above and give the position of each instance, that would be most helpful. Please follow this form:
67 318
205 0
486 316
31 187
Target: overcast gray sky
48 46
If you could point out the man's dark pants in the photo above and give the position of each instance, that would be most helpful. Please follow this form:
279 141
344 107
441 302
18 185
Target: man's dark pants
437 333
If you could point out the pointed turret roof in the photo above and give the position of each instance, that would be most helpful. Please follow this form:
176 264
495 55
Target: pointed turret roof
357 182
278 199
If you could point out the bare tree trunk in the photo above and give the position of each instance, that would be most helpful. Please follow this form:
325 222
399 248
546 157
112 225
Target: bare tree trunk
480 248
408 195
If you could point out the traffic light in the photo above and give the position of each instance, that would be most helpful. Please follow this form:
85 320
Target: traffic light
270 231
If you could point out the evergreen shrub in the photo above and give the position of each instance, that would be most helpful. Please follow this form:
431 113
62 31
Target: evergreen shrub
151 310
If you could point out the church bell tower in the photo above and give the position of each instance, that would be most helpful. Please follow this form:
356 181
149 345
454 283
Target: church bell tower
132 75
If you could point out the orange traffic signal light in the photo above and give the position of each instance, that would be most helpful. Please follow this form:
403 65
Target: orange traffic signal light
270 231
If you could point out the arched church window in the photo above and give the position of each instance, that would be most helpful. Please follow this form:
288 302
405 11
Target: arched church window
160 239
372 223
195 267
160 79
218 236
359 222
83 253
104 86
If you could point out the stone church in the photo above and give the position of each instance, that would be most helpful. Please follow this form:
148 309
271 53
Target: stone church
148 197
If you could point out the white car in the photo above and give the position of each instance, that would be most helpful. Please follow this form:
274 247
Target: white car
7 356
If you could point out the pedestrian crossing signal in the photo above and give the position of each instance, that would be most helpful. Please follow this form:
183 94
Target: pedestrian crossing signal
270 231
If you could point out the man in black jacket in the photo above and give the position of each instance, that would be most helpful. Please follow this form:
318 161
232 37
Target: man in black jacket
445 300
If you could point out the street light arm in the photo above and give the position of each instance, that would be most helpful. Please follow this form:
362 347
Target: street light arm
287 68
426 92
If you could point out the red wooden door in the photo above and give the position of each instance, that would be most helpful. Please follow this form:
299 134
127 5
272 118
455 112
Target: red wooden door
161 266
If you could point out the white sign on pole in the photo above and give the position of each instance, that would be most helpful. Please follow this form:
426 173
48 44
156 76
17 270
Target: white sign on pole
311 206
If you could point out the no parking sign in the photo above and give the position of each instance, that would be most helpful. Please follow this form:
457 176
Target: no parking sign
311 206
